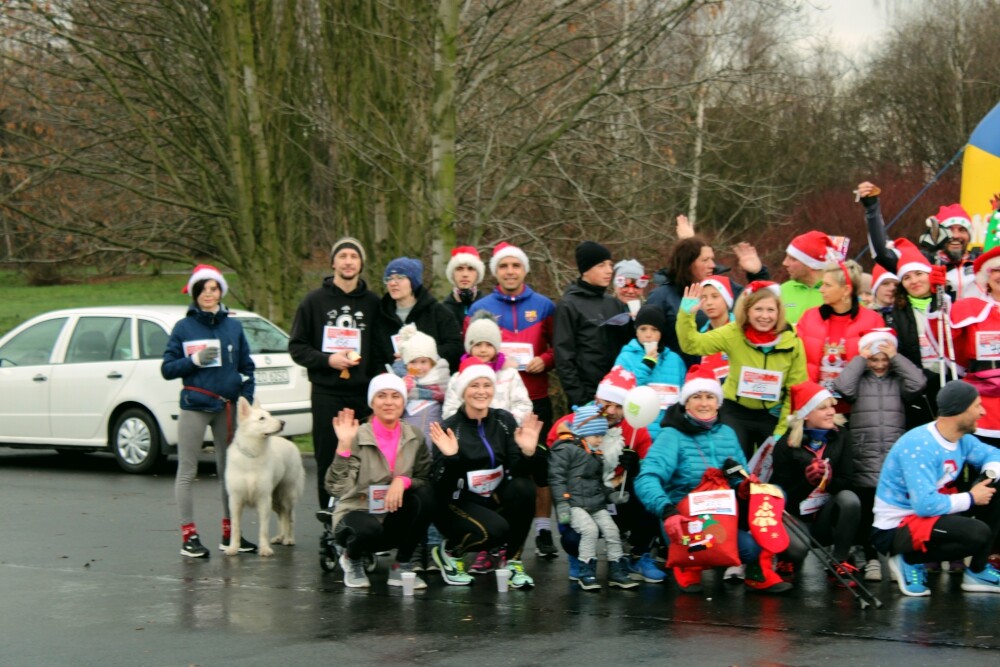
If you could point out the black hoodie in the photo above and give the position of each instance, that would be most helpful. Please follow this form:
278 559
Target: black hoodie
331 306
430 317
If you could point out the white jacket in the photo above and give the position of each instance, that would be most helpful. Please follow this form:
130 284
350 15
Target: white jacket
511 395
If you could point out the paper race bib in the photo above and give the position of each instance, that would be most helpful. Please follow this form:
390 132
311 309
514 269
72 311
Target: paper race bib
193 347
667 393
760 383
988 345
484 482
523 353
376 498
814 502
341 339
720 501
395 343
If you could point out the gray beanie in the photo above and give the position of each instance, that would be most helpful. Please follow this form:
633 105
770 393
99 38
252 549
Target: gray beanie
955 398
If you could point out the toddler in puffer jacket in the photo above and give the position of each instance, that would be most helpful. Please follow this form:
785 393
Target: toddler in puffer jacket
878 383
576 476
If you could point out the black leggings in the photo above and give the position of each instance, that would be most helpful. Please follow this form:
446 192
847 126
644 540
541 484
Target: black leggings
864 536
360 532
836 523
324 409
752 427
472 525
953 537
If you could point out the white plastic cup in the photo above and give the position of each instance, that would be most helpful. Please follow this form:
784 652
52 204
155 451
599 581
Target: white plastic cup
503 580
633 307
650 346
409 580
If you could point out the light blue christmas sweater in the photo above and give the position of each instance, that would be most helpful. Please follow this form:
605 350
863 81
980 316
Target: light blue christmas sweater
919 474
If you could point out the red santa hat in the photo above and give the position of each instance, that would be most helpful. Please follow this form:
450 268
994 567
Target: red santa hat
700 379
504 249
876 337
758 285
806 397
616 385
471 369
465 255
984 264
814 249
880 275
722 284
910 258
205 272
954 214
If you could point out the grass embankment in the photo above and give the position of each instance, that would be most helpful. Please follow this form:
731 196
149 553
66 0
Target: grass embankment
21 301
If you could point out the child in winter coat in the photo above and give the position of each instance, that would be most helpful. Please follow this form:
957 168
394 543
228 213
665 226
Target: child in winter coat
879 383
653 364
425 375
482 340
576 476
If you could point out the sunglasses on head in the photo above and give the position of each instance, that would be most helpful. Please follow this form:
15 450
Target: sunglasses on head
622 281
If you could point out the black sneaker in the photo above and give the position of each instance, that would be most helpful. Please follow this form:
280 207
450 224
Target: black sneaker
245 546
544 548
193 548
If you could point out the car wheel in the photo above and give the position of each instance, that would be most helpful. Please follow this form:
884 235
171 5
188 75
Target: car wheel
135 441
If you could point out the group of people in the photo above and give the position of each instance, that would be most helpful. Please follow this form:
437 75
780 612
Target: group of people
434 431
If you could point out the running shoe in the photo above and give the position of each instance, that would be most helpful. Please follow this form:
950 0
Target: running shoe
544 547
873 570
645 569
396 576
987 581
452 569
193 548
847 571
246 547
354 572
587 578
618 574
518 577
483 563
912 579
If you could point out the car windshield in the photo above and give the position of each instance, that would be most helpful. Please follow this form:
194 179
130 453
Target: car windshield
264 337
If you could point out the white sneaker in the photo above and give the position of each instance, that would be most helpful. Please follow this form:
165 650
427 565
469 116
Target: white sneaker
873 570
735 573
354 572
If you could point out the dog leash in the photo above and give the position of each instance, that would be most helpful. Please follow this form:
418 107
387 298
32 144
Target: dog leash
229 409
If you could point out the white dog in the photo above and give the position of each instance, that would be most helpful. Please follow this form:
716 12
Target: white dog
262 471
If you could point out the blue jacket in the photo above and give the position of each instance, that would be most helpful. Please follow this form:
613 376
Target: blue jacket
234 378
669 369
679 457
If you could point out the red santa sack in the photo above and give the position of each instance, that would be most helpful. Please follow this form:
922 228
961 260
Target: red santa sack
710 538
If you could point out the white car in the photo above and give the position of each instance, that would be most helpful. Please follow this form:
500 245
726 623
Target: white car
89 379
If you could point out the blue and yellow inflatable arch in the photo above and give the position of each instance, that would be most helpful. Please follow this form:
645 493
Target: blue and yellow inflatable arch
981 172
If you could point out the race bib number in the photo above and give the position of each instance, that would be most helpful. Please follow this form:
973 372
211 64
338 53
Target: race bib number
759 383
988 345
522 353
814 503
376 498
667 393
484 482
193 347
721 501
341 339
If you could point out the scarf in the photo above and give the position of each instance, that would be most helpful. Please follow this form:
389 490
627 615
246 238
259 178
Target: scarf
921 304
816 436
704 424
760 339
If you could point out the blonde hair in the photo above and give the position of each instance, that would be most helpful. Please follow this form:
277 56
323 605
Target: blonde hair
853 270
796 425
745 303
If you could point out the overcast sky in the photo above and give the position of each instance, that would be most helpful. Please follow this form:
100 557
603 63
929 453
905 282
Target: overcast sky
851 25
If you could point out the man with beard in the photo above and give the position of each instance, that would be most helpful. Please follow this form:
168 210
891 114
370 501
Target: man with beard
332 338
947 243
920 517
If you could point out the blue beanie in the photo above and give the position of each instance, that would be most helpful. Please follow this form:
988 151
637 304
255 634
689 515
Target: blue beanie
587 420
406 266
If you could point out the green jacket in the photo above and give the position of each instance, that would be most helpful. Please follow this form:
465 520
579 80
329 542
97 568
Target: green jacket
798 298
787 356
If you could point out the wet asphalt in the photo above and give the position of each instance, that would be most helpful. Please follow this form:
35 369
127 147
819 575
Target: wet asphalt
90 574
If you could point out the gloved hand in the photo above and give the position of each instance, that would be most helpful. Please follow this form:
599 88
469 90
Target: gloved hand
619 496
629 461
743 490
689 305
938 276
816 469
207 356
673 526
562 513
409 382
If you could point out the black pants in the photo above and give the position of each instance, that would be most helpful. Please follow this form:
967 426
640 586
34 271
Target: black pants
360 532
864 535
504 519
836 523
324 408
953 537
752 427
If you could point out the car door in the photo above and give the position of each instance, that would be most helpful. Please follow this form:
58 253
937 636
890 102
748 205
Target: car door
98 362
25 381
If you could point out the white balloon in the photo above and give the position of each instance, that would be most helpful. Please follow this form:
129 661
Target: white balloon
642 405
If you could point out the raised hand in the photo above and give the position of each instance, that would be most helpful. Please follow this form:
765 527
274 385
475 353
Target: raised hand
747 257
691 303
526 436
685 229
446 442
346 427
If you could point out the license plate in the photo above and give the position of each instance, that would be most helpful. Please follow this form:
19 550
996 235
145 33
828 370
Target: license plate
271 376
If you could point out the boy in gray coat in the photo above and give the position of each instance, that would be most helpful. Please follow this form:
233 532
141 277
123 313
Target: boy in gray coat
576 477
878 383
